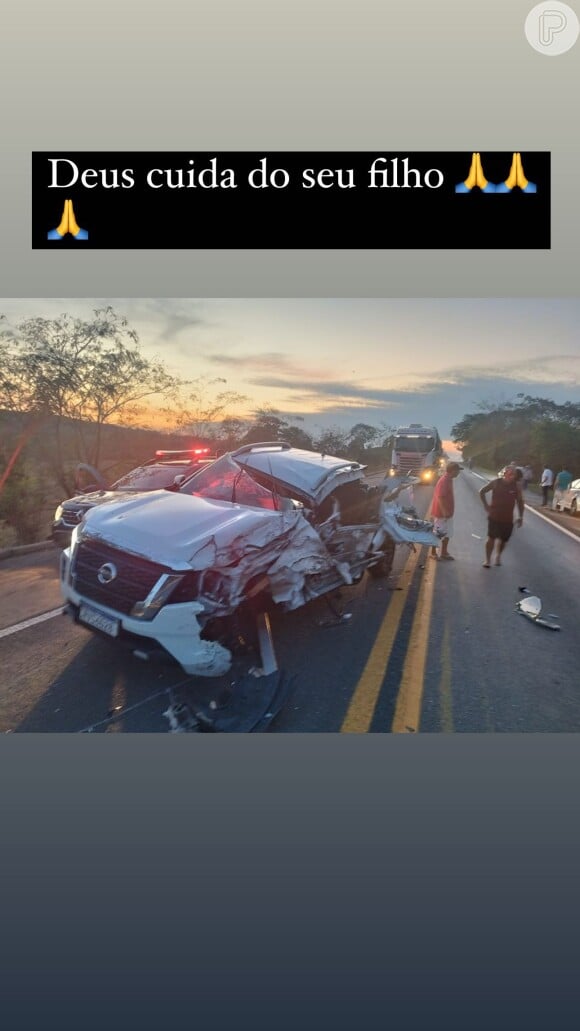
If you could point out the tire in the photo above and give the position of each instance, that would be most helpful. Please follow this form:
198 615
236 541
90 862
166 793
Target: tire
385 564
574 507
238 631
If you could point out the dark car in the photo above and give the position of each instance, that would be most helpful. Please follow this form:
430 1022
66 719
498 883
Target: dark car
167 470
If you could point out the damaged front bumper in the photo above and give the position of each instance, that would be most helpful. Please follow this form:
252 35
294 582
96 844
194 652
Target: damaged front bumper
175 629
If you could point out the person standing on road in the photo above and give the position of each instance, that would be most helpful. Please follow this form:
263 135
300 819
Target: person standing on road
505 495
561 484
527 476
546 483
443 508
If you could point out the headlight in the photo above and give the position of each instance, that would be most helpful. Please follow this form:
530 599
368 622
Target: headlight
76 535
58 513
155 600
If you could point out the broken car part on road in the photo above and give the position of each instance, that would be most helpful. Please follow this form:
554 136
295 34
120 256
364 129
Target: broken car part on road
531 608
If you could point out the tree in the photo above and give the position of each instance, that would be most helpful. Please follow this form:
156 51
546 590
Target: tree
361 436
557 445
387 434
267 426
229 433
74 375
298 437
333 441
201 410
534 430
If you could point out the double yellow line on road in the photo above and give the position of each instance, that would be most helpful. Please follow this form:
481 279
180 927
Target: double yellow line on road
408 708
410 692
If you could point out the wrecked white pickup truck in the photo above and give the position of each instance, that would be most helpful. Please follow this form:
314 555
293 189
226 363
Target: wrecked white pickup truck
266 524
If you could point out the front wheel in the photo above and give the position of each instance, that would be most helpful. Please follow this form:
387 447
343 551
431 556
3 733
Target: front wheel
385 563
574 507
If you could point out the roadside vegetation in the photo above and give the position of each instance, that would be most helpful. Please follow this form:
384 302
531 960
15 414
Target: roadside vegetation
532 431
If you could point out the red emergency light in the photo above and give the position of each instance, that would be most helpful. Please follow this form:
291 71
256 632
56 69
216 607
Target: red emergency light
183 454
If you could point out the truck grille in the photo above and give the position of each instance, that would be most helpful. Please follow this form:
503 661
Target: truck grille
409 463
135 577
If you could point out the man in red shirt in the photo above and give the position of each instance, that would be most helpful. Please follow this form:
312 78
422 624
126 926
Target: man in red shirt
506 493
442 509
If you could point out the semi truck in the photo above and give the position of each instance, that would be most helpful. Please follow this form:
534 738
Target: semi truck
417 450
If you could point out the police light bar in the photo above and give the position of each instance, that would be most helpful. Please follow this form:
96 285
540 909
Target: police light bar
188 451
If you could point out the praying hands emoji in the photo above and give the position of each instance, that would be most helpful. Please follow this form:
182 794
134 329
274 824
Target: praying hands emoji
476 177
68 224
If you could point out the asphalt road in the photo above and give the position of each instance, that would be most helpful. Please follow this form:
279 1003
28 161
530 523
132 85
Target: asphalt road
437 647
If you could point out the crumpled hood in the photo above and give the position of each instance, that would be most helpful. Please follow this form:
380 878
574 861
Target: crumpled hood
174 529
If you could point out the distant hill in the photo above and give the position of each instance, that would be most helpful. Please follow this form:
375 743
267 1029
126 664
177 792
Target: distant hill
120 446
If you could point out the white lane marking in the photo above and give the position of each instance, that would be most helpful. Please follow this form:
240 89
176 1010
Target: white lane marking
562 529
31 622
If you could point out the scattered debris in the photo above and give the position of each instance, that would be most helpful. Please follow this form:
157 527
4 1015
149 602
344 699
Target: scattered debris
531 608
181 719
338 621
247 706
124 710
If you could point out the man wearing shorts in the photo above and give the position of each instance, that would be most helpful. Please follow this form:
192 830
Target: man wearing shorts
506 493
442 509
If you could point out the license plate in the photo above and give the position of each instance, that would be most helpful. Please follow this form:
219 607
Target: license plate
98 620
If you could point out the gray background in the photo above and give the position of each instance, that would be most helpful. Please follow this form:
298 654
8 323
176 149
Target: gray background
337 881
265 75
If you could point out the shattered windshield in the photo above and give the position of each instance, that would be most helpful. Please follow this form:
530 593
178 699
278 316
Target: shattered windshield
224 480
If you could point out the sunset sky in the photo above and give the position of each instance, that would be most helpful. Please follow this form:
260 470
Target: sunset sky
338 361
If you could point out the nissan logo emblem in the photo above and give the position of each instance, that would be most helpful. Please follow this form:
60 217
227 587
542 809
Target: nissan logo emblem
107 573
